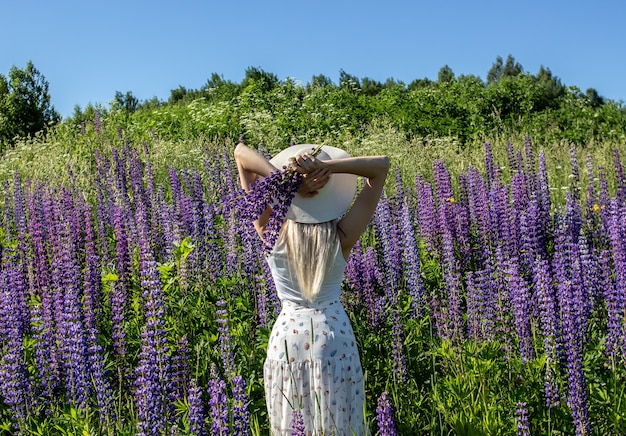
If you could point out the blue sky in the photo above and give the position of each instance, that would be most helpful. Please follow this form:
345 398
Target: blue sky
89 50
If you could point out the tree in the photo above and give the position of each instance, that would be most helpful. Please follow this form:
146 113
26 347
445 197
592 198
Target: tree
126 102
320 81
419 84
25 107
177 94
499 70
218 89
445 75
348 81
550 87
594 99
264 80
371 87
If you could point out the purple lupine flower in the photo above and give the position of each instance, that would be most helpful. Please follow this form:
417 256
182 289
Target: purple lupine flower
545 294
297 423
136 179
445 196
514 163
387 230
118 292
614 306
480 304
520 191
263 281
588 278
228 357
501 295
100 377
91 308
230 243
521 416
165 214
371 280
460 211
591 201
277 189
550 385
411 261
218 408
150 191
92 280
520 299
399 356
103 187
427 219
251 247
197 419
153 371
177 193
187 217
502 220
70 326
213 259
478 204
384 416
181 371
616 302
279 211
201 226
453 328
352 277
241 415
16 388
570 327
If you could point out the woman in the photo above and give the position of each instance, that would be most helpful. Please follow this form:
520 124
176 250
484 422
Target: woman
313 368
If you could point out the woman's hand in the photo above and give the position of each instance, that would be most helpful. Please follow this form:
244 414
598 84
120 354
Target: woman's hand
305 163
314 181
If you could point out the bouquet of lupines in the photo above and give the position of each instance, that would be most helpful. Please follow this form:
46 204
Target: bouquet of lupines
276 190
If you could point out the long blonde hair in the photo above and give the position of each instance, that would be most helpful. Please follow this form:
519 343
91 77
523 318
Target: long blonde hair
311 249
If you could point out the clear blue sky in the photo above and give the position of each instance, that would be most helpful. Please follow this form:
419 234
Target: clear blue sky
89 50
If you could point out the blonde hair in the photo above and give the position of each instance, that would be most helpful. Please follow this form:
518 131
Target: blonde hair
311 249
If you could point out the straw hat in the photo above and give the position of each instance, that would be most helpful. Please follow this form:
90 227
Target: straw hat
333 200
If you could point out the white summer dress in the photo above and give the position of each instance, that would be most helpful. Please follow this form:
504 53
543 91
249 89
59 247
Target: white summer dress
312 360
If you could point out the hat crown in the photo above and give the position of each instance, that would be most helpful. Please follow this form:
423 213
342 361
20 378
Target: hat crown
333 200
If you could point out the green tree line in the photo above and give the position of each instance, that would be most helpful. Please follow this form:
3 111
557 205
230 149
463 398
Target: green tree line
510 101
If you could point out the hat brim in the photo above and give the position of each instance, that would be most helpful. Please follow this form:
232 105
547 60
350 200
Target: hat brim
332 201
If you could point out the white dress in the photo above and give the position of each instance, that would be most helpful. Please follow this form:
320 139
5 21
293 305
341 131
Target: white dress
313 363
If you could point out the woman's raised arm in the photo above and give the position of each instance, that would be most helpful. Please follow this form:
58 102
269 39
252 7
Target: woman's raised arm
375 169
250 165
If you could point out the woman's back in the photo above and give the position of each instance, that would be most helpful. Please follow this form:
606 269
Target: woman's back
284 275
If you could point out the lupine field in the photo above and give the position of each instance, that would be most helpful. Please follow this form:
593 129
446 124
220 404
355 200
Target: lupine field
142 305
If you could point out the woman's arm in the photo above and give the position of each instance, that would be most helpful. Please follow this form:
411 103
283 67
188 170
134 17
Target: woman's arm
375 169
250 165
